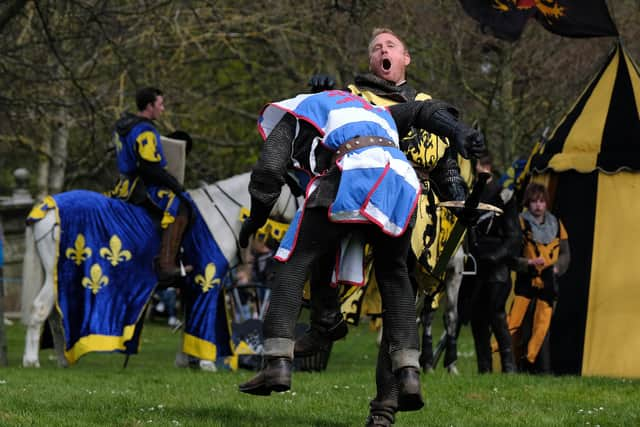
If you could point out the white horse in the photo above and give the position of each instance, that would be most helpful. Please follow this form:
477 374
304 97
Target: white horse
220 205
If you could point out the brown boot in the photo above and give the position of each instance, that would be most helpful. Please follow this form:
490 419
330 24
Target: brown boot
274 376
167 268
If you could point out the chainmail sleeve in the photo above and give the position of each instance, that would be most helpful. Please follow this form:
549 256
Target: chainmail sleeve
268 174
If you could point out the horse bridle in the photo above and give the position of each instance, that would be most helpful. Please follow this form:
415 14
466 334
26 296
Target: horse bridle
48 232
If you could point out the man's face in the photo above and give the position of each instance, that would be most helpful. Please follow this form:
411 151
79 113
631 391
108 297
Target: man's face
538 207
388 59
483 167
157 108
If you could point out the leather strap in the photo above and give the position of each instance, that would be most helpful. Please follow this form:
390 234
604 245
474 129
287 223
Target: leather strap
361 142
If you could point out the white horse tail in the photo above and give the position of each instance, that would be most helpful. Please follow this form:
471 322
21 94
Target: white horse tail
32 274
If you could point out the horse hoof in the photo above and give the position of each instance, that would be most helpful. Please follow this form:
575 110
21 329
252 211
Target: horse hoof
208 365
30 363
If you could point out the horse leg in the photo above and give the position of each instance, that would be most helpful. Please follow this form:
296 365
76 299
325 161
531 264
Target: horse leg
40 310
55 323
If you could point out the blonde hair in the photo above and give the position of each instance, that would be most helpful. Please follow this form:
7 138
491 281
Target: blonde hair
383 30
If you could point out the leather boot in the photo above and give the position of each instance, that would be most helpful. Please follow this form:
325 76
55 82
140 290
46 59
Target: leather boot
483 350
274 376
507 361
410 393
167 268
381 413
322 332
503 337
377 421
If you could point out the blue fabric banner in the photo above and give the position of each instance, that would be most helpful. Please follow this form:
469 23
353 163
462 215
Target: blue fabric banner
104 276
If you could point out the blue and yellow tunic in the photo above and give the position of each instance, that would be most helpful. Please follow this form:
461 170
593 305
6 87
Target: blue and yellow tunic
137 139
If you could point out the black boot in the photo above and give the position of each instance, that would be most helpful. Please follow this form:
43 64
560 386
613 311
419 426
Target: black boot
506 359
503 337
274 376
483 350
410 393
319 336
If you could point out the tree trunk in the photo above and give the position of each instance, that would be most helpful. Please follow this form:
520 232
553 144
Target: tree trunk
44 166
506 112
59 152
3 338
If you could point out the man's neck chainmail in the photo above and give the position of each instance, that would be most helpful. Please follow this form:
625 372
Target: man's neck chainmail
385 88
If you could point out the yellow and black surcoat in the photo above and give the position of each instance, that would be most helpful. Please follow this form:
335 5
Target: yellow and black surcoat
539 281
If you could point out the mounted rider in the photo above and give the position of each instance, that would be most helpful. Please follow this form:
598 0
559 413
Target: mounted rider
144 179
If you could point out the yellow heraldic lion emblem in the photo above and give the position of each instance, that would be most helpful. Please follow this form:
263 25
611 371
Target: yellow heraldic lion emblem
148 146
549 8
114 253
209 280
96 279
80 251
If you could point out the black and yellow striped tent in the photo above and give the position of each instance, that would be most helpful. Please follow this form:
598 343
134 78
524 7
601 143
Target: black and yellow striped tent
591 165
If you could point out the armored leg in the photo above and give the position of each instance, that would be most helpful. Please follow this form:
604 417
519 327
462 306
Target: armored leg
383 407
499 292
398 301
480 313
327 323
315 236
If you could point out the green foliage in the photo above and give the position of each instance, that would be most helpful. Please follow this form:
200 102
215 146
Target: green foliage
150 391
78 64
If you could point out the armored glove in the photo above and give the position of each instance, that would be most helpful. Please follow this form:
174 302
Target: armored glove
467 141
257 218
249 228
467 216
320 82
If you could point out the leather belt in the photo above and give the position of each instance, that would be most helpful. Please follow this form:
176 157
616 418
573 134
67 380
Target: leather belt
361 142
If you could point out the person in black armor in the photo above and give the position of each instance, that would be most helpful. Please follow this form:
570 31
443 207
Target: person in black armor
494 243
438 169
360 182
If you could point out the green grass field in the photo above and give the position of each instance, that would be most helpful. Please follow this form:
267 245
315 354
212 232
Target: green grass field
97 391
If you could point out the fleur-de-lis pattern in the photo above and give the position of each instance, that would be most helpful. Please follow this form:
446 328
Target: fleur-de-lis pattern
114 253
209 279
79 252
96 280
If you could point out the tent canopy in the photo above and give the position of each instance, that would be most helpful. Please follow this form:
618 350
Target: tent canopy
590 165
602 129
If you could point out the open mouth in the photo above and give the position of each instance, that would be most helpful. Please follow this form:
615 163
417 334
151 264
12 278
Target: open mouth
386 64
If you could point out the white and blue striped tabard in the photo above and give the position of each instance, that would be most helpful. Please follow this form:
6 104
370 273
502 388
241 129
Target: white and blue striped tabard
377 185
